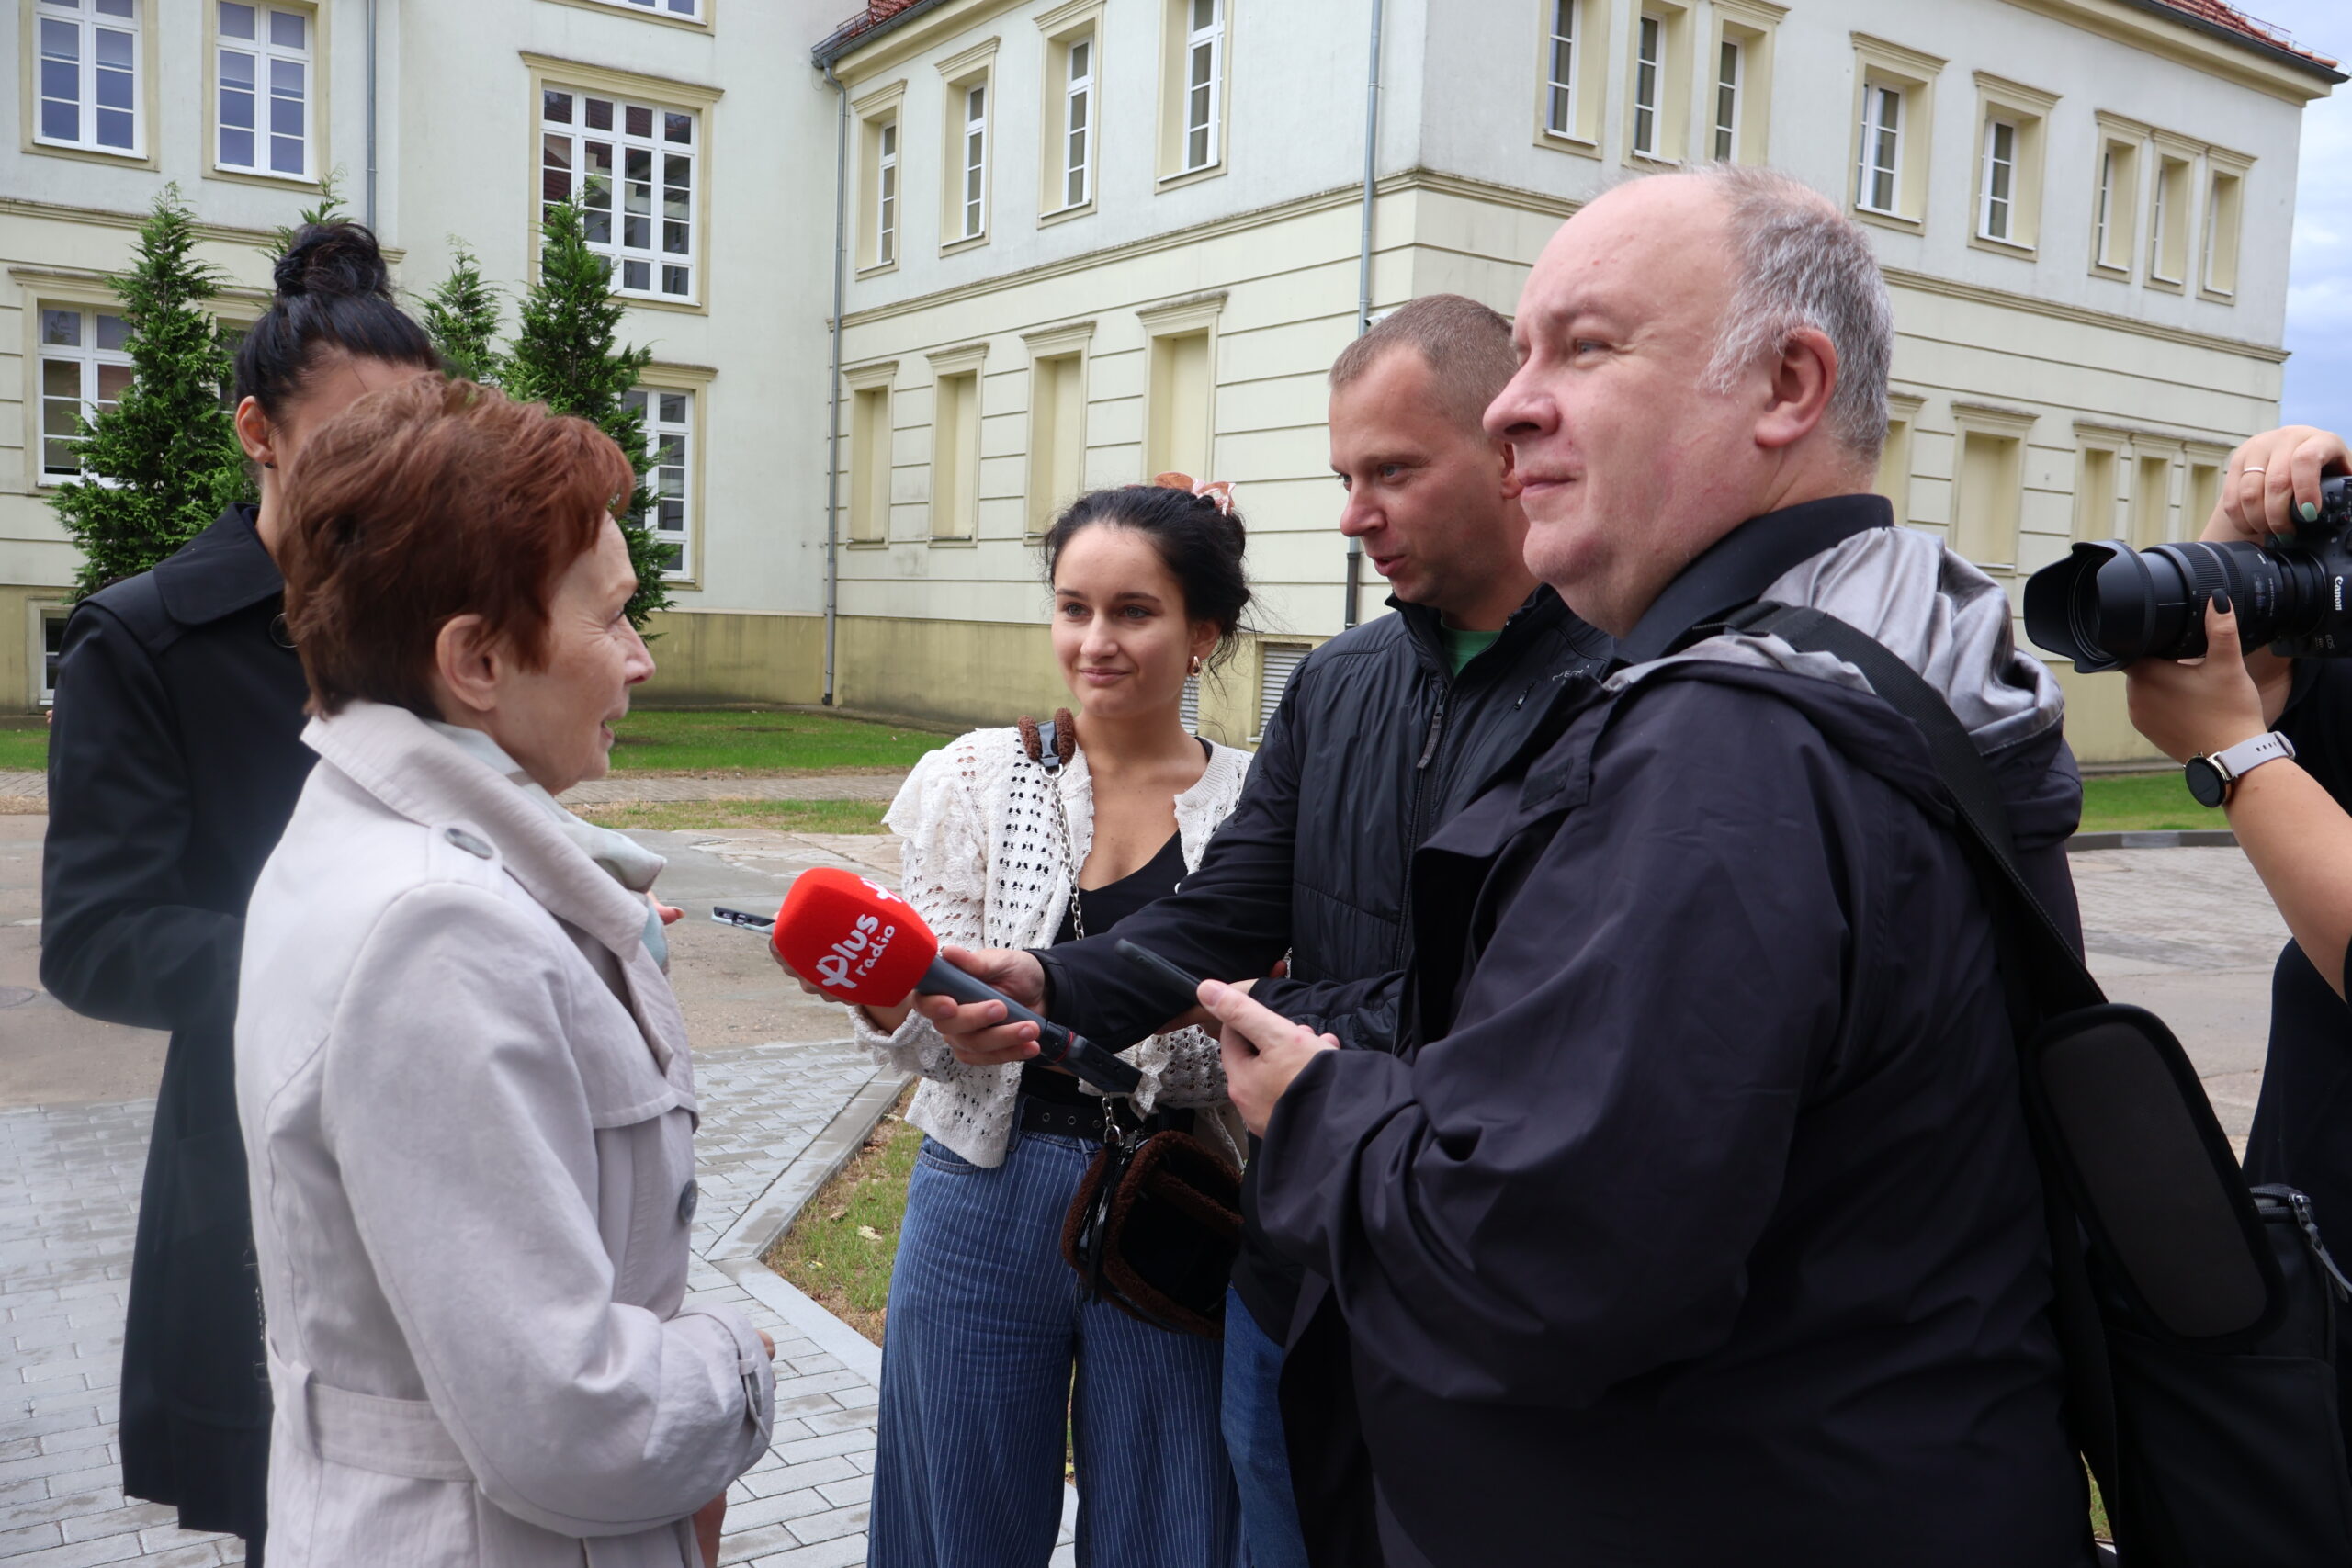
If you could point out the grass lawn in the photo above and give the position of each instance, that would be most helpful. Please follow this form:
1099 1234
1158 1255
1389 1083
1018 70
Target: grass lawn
701 815
23 746
839 1249
2140 802
763 741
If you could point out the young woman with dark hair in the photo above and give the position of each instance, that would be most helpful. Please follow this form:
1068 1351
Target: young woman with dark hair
990 1342
174 764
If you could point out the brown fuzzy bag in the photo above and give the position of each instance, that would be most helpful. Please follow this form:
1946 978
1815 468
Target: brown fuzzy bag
1154 1230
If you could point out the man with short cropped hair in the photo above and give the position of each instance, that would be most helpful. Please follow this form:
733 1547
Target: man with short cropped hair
1694 1220
1385 732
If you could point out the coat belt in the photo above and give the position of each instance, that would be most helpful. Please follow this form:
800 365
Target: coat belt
366 1431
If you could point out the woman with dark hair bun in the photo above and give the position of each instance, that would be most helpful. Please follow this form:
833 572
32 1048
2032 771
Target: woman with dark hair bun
175 761
1014 838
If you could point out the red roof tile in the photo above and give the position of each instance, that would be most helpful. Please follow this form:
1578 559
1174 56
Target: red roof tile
2214 11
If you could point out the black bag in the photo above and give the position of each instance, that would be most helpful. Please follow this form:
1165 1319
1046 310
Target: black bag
2197 1317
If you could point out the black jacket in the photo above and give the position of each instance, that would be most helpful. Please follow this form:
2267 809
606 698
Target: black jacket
1374 743
1696 1220
175 760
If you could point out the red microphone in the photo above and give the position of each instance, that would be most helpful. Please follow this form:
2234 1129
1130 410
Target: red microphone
858 940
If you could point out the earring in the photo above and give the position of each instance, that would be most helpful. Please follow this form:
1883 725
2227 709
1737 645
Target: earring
1197 666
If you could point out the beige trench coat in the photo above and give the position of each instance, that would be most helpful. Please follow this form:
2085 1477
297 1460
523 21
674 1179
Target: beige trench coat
468 1115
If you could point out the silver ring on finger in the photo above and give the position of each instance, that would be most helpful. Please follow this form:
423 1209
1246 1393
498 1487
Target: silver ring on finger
2253 470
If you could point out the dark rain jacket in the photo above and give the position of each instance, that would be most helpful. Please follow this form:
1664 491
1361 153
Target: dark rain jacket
1696 1223
1373 744
175 761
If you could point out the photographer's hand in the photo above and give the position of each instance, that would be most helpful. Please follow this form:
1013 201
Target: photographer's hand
2194 707
2272 483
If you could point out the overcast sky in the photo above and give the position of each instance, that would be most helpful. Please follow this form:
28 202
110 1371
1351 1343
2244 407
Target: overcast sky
2319 291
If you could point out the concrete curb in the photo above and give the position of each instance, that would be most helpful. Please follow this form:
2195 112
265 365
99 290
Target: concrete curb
771 1214
2186 838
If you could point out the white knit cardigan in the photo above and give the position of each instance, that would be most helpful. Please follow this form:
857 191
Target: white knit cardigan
985 861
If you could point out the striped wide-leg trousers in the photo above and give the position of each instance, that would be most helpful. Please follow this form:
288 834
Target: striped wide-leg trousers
987 1333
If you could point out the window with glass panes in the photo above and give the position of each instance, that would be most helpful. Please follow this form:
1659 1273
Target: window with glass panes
690 9
52 650
1730 61
87 79
2102 227
631 165
1204 71
1648 64
1078 125
1560 56
975 162
1881 148
669 421
85 367
264 86
886 194
2000 179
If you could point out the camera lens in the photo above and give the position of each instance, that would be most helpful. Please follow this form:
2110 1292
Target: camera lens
2107 605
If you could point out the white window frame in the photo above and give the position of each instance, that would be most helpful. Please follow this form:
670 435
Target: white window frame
1560 46
2169 265
87 358
87 22
886 191
652 419
662 153
1203 102
669 10
51 619
265 53
972 194
1730 98
1649 84
1998 181
2103 213
1879 135
2220 254
1079 120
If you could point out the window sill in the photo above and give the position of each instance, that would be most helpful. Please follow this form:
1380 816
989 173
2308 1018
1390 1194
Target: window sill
1190 177
953 542
2165 285
866 544
2004 247
109 156
690 24
2219 296
1063 215
1662 163
258 178
1561 142
693 584
1899 222
656 303
2112 273
879 269
970 243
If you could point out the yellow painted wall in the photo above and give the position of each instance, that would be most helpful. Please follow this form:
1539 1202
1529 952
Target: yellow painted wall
707 657
19 645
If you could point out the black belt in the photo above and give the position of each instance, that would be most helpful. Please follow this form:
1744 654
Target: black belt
1097 1120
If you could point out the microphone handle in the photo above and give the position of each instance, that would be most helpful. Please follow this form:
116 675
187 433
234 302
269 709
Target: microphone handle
1057 1046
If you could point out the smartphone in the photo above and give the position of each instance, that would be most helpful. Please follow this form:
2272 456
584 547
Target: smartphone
1183 988
743 919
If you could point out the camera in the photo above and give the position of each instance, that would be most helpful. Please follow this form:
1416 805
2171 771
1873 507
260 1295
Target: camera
2107 604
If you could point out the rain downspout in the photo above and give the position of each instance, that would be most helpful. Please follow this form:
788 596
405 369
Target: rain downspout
1363 264
371 117
833 430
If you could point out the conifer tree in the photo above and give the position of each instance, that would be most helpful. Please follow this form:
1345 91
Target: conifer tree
564 355
329 208
164 462
461 315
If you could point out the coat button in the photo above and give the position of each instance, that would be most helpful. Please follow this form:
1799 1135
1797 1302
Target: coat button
467 842
689 1197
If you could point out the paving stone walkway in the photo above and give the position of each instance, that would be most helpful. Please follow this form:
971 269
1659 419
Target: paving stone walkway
69 1185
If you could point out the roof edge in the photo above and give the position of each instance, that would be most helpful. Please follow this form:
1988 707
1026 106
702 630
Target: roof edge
861 29
2268 48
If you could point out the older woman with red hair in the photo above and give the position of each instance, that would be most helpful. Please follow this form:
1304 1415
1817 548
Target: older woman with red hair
466 1100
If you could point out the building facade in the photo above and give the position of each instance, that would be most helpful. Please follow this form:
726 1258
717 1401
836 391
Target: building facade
1083 241
1098 239
697 125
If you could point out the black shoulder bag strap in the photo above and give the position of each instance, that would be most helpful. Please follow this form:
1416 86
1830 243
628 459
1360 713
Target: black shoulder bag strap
2133 1158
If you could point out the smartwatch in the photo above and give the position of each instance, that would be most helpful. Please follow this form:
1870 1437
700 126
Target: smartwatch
2212 779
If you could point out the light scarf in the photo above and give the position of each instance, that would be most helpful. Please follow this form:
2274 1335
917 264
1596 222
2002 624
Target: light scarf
619 856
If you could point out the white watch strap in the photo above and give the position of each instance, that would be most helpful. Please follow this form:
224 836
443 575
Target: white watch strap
2242 759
